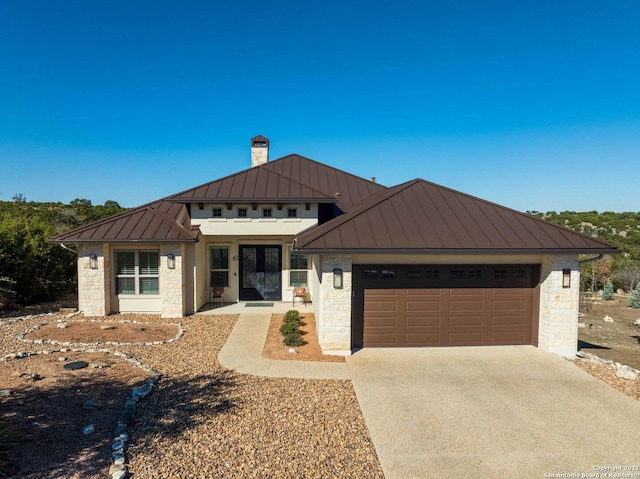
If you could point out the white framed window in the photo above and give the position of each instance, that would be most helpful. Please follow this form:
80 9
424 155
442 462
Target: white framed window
298 265
216 212
267 212
138 272
292 212
219 272
242 213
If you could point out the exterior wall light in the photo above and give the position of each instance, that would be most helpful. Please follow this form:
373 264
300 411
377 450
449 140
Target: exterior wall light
171 261
337 278
93 261
566 278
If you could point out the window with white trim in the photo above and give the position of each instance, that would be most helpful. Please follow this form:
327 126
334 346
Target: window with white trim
219 257
298 265
292 212
216 212
137 272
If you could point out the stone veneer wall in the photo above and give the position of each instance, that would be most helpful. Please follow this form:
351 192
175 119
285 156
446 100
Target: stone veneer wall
172 284
334 328
558 327
96 284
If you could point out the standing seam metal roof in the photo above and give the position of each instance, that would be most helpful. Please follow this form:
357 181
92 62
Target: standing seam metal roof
420 216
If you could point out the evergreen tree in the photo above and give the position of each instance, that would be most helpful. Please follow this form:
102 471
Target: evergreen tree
634 297
608 291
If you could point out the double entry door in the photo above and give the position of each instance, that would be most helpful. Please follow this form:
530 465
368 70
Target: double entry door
260 272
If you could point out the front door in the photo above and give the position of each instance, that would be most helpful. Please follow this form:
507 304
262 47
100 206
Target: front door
260 272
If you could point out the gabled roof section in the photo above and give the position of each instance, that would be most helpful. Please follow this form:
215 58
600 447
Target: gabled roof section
422 217
352 189
254 184
160 221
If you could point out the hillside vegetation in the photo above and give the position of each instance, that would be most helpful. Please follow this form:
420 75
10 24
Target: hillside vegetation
620 229
31 269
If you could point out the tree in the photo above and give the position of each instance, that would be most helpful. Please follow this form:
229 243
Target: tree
634 297
19 198
593 273
607 293
628 274
111 204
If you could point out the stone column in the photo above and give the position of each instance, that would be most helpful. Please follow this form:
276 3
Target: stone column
334 323
172 289
95 281
558 326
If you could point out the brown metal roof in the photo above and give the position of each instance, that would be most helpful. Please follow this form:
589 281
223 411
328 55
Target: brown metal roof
161 221
254 184
420 216
291 178
352 189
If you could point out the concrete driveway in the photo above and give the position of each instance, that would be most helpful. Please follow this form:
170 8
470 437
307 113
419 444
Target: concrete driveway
504 412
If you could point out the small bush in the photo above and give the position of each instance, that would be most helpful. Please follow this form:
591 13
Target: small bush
292 316
293 339
288 328
634 297
607 293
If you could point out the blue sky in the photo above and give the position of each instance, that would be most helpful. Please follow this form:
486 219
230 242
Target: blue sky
533 105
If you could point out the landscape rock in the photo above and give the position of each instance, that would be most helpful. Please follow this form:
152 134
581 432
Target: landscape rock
62 325
5 392
637 322
607 319
90 429
625 372
106 327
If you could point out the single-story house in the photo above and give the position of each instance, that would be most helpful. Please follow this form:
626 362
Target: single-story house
416 264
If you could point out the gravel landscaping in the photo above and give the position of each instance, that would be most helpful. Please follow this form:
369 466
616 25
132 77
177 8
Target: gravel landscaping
204 421
201 420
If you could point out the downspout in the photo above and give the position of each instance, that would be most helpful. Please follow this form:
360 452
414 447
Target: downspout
70 249
589 260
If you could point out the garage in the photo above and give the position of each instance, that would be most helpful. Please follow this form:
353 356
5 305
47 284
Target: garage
444 305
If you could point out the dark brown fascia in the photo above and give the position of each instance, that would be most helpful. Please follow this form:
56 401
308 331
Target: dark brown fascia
472 251
252 200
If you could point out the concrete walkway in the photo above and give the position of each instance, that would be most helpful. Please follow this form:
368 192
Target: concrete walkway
509 411
243 350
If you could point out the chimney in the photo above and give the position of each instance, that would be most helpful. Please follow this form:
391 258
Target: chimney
259 150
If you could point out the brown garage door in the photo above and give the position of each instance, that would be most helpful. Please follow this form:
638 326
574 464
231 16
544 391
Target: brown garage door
447 317
444 305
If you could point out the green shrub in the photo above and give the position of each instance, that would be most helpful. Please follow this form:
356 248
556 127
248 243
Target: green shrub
293 339
634 297
288 328
292 316
8 440
607 293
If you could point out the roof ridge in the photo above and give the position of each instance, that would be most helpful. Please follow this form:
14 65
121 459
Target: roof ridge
174 197
326 166
167 219
360 208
